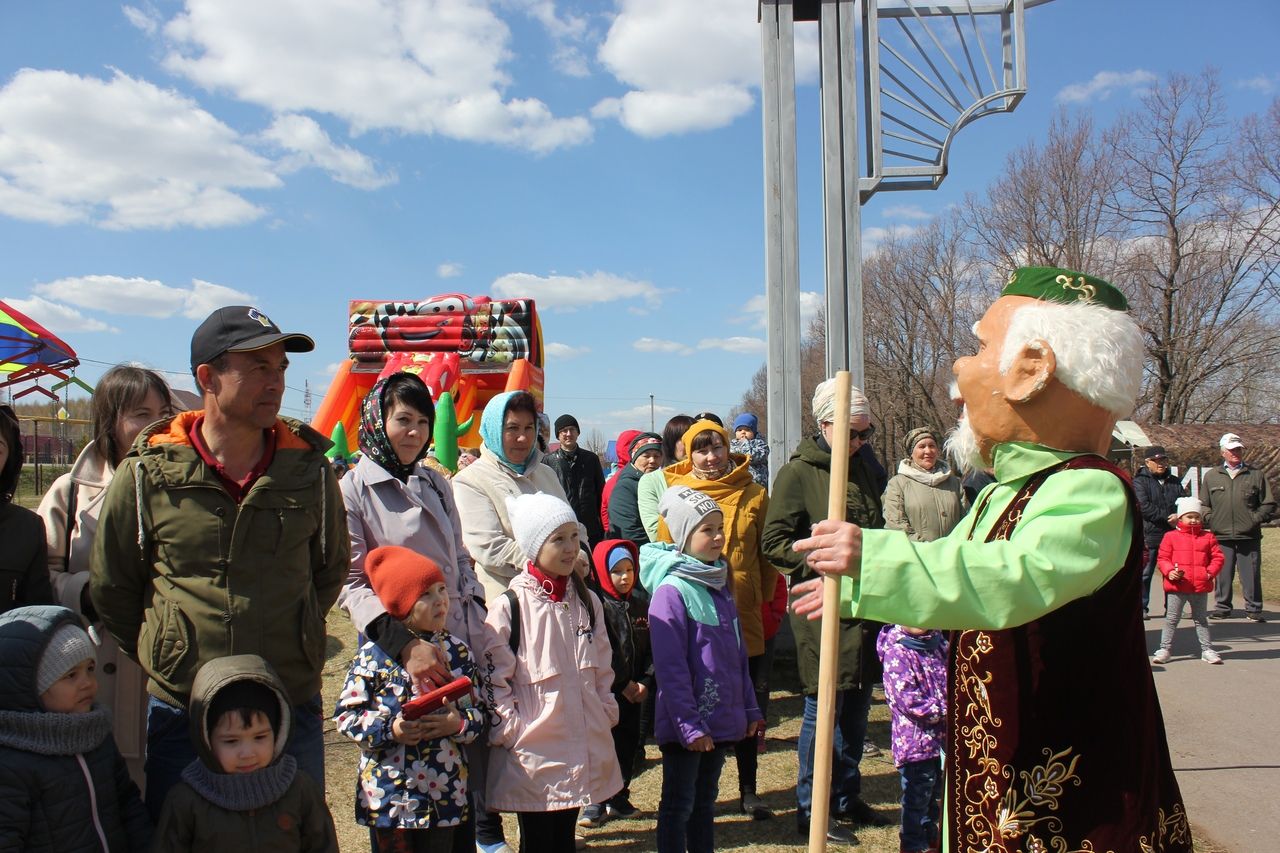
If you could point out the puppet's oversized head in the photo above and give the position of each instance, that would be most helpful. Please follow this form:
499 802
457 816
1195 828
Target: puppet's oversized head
1059 361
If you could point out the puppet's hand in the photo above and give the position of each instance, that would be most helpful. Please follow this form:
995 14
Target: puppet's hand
835 548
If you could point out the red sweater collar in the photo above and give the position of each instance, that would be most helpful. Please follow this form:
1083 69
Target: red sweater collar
553 586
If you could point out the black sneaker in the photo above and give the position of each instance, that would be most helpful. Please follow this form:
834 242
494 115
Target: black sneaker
1253 616
620 807
859 813
1220 614
751 804
836 834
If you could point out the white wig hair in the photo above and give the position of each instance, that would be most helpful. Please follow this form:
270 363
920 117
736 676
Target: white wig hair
1099 350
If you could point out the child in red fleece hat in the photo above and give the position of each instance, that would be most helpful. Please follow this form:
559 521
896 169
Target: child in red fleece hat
413 776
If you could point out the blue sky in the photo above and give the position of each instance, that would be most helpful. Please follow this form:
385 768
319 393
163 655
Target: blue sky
161 158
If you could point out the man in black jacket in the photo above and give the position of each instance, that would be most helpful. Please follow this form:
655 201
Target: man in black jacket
1158 491
581 476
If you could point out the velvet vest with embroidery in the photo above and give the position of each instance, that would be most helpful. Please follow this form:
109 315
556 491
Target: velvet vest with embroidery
1057 741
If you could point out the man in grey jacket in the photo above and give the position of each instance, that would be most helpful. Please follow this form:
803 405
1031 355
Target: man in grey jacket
1237 500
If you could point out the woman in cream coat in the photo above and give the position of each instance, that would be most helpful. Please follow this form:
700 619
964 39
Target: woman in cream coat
924 498
126 400
510 464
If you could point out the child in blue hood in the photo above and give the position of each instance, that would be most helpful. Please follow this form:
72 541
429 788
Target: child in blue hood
747 441
706 702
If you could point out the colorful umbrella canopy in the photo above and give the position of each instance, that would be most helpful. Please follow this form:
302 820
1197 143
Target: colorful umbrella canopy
29 351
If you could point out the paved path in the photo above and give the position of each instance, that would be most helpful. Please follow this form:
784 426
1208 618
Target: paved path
1223 724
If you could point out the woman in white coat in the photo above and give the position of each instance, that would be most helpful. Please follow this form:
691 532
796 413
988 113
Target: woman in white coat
127 399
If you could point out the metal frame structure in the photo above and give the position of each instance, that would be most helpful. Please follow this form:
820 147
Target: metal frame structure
927 70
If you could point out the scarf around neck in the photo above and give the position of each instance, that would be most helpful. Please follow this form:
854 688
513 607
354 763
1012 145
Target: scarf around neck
241 792
552 585
695 580
373 438
50 733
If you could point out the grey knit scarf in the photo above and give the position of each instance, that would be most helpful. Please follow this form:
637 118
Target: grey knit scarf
48 733
241 792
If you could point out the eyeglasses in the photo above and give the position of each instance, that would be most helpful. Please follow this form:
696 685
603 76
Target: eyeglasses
860 434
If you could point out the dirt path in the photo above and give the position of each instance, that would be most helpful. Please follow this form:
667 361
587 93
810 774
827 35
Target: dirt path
1223 724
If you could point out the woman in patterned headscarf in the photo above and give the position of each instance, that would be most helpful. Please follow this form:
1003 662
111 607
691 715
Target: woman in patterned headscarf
394 499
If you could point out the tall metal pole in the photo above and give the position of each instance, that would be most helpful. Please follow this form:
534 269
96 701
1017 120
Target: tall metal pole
782 263
651 421
842 210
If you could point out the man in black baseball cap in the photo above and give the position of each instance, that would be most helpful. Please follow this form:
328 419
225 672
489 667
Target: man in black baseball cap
240 328
232 517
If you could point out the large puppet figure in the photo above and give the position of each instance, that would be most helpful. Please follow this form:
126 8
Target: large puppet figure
1055 738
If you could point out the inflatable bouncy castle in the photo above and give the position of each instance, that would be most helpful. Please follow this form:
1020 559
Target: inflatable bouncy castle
466 348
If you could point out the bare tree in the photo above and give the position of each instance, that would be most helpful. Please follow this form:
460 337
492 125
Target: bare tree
1199 249
594 440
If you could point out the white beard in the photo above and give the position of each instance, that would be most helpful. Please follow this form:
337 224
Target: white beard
962 446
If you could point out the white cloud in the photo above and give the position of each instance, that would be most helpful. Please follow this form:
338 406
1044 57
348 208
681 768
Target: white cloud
141 296
309 145
636 414
872 237
120 153
569 293
418 66
449 269
1263 83
1104 83
659 345
736 344
906 211
58 319
756 309
567 31
144 19
689 66
558 350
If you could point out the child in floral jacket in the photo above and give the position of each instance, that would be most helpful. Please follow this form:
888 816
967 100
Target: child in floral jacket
413 776
915 686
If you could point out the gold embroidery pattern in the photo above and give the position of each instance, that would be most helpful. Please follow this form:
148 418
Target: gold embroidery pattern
1085 291
1025 818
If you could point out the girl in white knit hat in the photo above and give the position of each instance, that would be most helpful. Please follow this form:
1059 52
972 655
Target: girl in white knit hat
548 679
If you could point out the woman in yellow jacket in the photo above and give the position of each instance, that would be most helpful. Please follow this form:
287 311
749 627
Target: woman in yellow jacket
709 467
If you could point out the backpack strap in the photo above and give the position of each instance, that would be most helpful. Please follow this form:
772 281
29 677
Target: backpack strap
514 639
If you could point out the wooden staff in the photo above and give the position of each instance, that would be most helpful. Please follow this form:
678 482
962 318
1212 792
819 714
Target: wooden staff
829 649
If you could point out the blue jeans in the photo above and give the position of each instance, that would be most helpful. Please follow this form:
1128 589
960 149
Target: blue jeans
1148 572
686 813
852 707
921 803
169 747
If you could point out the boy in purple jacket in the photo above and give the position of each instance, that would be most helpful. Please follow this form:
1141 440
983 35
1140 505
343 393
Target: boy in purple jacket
915 686
705 701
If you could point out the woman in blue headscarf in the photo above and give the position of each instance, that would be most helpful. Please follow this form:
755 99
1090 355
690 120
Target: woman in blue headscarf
510 464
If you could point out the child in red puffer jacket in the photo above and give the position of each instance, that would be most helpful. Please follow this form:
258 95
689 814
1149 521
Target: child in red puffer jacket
1189 559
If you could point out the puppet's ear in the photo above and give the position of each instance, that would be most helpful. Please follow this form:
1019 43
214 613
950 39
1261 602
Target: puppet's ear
1032 368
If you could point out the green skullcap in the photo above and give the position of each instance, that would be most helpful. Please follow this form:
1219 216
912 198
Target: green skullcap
1065 286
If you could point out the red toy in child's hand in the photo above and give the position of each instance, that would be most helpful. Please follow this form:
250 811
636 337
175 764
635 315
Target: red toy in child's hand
434 700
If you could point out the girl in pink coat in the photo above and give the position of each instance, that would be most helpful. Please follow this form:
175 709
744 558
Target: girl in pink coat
548 673
1189 559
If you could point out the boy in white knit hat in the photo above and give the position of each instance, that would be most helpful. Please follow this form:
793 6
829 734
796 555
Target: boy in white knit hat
63 784
548 683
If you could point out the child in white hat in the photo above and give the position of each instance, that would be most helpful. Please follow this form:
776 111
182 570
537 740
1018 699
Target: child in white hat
1189 559
549 682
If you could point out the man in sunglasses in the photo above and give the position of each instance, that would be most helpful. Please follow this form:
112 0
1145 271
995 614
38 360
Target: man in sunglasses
1055 737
